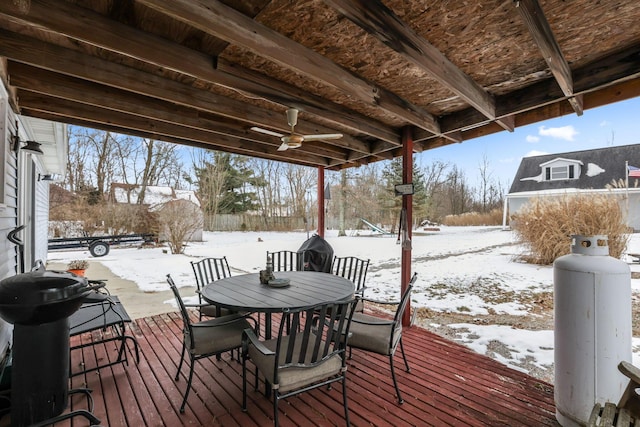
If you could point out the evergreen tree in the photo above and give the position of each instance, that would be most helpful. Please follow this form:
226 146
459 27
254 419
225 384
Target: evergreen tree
226 184
392 175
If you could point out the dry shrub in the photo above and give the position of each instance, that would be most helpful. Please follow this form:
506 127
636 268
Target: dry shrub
179 220
546 225
101 218
493 217
122 218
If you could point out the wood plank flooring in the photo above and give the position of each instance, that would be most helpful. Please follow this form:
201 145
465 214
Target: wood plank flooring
449 385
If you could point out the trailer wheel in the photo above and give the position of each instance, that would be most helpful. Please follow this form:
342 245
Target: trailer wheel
99 249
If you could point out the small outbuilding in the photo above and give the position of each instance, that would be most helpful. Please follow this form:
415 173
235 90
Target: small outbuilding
156 198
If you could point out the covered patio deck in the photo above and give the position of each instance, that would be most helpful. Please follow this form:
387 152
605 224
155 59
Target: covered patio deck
448 385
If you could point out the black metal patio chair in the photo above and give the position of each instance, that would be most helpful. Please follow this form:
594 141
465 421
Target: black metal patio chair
285 260
105 315
207 338
354 269
382 336
209 270
303 357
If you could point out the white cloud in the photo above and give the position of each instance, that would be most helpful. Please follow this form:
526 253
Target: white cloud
605 123
532 138
533 153
506 160
565 132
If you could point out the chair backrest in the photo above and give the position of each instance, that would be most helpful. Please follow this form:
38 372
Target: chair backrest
306 337
402 306
208 270
187 329
352 268
285 260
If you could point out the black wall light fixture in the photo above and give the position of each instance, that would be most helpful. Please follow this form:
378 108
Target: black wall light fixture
32 147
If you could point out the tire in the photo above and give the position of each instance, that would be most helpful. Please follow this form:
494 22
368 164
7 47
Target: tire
98 249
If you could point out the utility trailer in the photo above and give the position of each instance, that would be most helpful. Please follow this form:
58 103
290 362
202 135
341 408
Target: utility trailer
99 245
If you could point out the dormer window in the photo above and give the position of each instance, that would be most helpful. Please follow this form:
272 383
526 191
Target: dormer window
553 173
561 169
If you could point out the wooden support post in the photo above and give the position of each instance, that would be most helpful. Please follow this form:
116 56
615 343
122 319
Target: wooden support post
321 226
407 203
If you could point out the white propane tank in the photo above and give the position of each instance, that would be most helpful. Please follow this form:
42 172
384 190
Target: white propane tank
592 309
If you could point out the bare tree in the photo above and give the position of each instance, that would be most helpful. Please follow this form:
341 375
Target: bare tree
299 179
179 220
159 159
485 183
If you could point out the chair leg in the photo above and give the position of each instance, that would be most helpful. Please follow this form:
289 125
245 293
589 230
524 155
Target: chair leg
344 399
184 348
244 383
186 393
393 377
275 408
404 356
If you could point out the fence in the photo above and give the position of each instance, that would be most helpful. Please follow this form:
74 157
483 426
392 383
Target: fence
246 222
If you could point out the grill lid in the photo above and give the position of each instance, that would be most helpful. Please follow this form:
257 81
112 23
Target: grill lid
41 296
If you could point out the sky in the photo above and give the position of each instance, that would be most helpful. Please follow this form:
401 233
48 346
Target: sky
614 124
468 270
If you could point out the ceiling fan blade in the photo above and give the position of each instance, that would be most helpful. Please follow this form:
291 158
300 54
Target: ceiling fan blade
266 131
283 147
322 136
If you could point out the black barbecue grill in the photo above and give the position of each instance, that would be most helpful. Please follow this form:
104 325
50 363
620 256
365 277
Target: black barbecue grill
39 304
316 254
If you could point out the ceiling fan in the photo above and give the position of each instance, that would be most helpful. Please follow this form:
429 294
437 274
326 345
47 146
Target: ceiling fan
294 140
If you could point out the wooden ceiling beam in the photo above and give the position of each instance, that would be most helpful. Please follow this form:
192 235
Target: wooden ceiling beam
43 55
380 21
128 123
89 27
52 116
615 93
60 86
226 23
537 24
595 76
306 102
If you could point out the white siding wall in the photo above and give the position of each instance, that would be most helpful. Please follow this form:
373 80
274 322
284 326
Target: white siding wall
8 206
41 221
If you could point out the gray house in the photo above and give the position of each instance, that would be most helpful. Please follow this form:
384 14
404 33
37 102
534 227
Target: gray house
24 190
599 171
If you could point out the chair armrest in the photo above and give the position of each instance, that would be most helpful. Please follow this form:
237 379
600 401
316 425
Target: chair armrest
204 304
380 301
630 371
249 335
373 322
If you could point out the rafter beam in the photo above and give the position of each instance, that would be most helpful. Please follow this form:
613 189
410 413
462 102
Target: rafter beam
378 20
59 86
292 96
58 59
595 76
226 23
131 124
94 29
535 20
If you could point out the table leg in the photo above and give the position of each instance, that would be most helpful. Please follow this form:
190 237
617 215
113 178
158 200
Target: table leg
267 336
267 326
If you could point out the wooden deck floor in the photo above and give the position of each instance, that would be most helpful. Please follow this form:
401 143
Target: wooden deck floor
448 385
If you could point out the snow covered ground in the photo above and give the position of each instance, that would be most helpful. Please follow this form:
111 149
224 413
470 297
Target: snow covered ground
470 271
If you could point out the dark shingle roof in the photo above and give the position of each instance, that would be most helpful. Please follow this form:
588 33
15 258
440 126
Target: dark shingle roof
611 159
